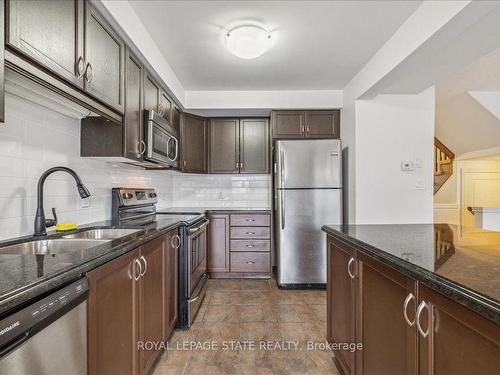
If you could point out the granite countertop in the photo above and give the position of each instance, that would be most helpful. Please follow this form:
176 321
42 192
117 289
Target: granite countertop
459 262
24 277
213 209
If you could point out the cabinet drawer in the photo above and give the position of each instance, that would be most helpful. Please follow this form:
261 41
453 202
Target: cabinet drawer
250 245
261 220
250 262
250 232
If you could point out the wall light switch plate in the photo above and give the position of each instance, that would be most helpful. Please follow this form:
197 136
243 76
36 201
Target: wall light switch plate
420 185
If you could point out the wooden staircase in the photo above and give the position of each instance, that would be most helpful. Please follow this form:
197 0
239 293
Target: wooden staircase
443 164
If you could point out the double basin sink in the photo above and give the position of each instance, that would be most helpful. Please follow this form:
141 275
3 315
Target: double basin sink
73 242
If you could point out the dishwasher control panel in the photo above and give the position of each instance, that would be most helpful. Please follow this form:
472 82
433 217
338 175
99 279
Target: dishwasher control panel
26 322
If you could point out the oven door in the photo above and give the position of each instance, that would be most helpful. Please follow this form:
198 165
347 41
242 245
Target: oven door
197 267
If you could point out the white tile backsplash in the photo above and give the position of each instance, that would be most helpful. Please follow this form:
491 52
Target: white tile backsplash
35 138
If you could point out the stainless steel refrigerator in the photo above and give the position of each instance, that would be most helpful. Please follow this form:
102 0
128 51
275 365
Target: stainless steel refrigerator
308 194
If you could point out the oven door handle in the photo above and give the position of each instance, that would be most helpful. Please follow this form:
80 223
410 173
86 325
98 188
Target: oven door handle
196 229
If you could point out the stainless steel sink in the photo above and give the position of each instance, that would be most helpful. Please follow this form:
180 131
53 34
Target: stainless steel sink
102 234
56 246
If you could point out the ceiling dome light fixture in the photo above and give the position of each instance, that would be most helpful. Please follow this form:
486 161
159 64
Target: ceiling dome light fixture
248 41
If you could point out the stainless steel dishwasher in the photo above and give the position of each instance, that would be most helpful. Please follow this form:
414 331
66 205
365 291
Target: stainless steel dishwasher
49 336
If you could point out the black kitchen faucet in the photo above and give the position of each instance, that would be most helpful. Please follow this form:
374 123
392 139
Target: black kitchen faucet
41 223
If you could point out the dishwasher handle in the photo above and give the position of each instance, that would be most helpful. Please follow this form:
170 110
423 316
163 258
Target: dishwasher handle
14 344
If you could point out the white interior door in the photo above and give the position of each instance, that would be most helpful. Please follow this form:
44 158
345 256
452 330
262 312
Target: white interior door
479 189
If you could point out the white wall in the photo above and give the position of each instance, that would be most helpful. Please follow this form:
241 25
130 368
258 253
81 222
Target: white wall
35 138
390 129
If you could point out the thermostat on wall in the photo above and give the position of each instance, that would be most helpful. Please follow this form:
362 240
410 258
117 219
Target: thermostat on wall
407 166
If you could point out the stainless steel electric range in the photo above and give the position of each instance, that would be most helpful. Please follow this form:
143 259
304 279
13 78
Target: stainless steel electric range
137 208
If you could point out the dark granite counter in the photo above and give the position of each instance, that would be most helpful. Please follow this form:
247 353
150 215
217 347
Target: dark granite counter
24 277
460 263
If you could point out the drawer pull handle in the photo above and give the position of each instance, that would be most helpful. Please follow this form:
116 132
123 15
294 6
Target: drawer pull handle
250 219
250 262
250 246
250 232
351 274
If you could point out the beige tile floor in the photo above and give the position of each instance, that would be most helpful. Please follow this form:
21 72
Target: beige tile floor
256 311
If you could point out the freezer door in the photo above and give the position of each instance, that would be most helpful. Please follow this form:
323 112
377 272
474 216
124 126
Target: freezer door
301 245
308 164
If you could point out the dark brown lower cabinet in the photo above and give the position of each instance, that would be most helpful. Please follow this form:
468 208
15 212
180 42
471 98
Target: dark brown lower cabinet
172 244
458 341
152 300
341 306
404 327
113 316
389 341
218 243
132 300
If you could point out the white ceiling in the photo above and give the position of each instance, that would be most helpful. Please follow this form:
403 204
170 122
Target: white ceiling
318 45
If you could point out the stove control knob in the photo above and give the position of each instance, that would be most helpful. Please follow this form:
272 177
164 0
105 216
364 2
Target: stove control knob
127 195
152 195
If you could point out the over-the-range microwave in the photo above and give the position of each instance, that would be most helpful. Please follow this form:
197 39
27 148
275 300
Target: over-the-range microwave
162 141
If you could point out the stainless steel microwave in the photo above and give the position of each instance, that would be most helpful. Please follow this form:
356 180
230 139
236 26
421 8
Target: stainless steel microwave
162 141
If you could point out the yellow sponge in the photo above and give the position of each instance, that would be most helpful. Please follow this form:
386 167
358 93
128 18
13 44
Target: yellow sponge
61 227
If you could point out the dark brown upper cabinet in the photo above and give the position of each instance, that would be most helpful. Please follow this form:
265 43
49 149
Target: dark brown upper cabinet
194 135
254 146
152 93
133 132
165 109
176 118
322 124
305 124
288 124
239 145
224 146
105 56
50 33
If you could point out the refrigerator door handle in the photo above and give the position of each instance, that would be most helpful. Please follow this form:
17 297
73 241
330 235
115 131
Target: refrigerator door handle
282 204
282 167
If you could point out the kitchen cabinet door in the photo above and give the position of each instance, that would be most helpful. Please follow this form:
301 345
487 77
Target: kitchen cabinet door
288 124
194 135
152 301
384 296
254 146
151 94
50 32
112 316
176 119
341 301
322 124
218 244
224 149
134 145
105 57
457 341
172 244
166 107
